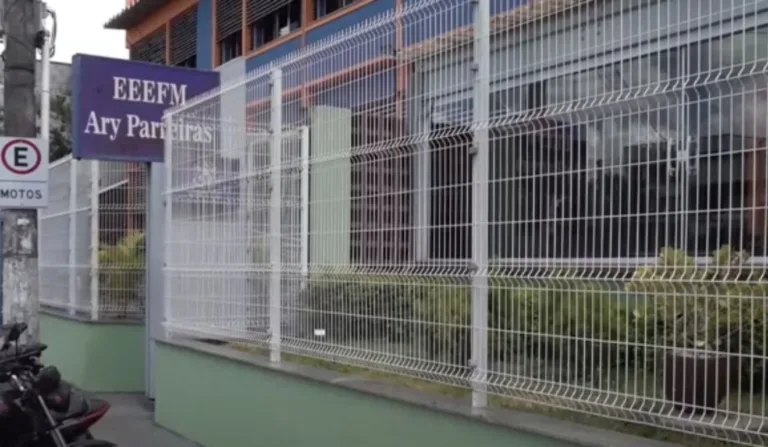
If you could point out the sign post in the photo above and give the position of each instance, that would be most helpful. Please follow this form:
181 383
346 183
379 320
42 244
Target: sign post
117 115
118 105
23 173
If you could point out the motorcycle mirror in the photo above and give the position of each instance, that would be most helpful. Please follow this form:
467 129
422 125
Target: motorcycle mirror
48 380
16 331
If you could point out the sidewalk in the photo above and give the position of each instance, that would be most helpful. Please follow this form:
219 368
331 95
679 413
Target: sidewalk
129 424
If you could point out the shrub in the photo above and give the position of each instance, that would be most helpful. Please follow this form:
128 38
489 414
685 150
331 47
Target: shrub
582 325
720 307
445 312
355 307
121 275
582 328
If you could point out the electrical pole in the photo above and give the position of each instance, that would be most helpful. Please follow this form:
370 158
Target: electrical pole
22 25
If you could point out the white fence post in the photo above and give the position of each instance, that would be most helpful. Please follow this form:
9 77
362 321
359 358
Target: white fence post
72 244
304 205
94 245
168 223
480 168
275 211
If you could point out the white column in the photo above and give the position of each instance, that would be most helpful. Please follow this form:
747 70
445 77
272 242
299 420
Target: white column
304 204
94 245
72 245
480 176
275 209
166 317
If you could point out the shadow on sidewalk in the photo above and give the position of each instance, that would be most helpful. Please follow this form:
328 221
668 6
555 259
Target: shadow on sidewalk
129 424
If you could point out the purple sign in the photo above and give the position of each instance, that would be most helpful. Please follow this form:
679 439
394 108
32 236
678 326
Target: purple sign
117 107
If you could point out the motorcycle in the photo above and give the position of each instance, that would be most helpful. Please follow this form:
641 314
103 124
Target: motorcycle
38 409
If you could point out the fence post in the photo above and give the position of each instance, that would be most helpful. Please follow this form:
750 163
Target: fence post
72 236
480 168
166 318
304 206
275 211
94 245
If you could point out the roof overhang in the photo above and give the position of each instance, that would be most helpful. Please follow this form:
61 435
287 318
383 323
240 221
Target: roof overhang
134 15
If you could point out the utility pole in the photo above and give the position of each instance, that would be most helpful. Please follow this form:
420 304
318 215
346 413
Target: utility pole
22 26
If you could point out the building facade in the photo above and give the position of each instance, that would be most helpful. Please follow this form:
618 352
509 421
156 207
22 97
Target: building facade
674 146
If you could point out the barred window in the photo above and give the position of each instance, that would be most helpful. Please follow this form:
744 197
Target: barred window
269 20
151 48
184 39
229 29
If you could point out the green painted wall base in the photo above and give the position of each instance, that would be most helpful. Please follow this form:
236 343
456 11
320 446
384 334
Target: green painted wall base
101 357
219 402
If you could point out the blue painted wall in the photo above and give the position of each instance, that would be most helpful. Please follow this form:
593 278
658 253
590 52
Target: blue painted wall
499 6
360 91
350 20
205 34
445 16
273 54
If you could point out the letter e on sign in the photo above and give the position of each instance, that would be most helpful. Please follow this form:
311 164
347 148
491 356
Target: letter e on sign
23 172
23 159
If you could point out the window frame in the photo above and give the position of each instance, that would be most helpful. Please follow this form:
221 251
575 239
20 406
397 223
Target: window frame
686 40
253 29
230 47
321 7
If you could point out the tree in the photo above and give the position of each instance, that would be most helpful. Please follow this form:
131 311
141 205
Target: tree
61 126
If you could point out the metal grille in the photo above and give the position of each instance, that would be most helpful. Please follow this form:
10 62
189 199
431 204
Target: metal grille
257 9
150 49
380 182
229 16
122 259
184 36
553 205
91 241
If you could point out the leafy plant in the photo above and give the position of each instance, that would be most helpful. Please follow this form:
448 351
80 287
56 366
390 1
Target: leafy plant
445 311
61 126
121 273
358 307
714 308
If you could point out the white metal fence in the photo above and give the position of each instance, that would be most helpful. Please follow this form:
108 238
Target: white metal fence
92 262
560 204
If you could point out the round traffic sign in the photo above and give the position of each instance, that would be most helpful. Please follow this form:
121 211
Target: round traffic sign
21 156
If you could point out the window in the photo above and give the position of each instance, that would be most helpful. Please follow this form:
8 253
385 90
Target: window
184 39
229 29
190 62
150 49
625 161
271 20
325 7
231 47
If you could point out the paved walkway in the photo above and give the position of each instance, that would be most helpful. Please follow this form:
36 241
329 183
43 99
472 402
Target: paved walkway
129 424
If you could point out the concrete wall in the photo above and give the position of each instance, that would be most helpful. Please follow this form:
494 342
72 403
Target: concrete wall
330 186
102 357
220 402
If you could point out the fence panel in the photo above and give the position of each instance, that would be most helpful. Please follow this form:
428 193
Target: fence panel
91 240
122 256
546 204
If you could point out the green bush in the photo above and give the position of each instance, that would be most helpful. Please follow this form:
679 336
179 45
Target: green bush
121 275
352 307
583 326
445 316
719 307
